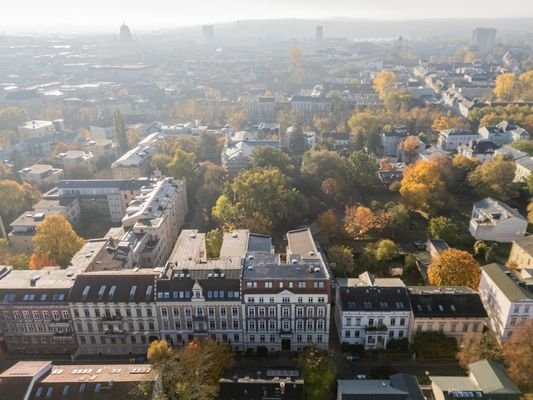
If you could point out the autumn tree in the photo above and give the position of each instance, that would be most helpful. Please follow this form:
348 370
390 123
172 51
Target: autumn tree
319 373
359 220
444 122
495 178
160 161
517 353
454 268
422 187
443 228
15 198
38 261
384 83
121 136
410 147
523 145
184 166
386 250
318 165
478 346
11 118
265 157
261 200
56 239
342 258
505 87
192 371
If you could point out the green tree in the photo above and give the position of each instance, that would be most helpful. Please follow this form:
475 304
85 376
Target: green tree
362 170
365 129
443 228
319 373
56 239
386 250
495 178
209 148
121 136
328 224
399 215
160 161
524 145
213 242
184 166
318 165
261 200
342 257
265 157
11 118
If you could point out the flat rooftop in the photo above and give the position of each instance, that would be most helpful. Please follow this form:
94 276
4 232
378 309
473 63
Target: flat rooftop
25 369
49 278
100 373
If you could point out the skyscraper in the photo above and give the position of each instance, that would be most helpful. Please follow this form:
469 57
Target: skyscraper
319 33
484 39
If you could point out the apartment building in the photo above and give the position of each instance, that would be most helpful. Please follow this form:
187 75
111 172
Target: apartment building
42 175
454 311
153 221
452 139
36 128
135 163
76 160
199 297
114 312
372 311
308 107
100 198
286 305
35 317
507 299
522 253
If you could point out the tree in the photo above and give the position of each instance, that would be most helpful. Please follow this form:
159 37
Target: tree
38 261
328 224
342 257
191 372
410 147
365 129
11 118
530 212
184 166
523 145
160 161
475 347
318 165
15 199
265 157
209 148
319 373
454 268
495 178
444 122
443 228
399 215
362 170
56 239
359 220
384 83
121 136
517 353
386 250
505 87
213 242
422 187
260 200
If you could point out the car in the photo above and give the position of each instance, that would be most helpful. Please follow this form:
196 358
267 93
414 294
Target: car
360 376
352 358
420 244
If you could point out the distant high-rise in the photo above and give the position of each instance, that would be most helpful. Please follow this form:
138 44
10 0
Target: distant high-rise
319 33
208 33
484 39
125 33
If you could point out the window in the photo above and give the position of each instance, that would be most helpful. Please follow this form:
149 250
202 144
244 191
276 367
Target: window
223 324
309 325
236 324
128 313
286 311
164 312
320 325
465 327
251 299
299 325
402 321
261 311
176 312
310 312
371 321
236 337
211 311
516 309
262 338
272 338
46 314
393 321
139 312
268 285
189 325
347 334
272 325
475 327
252 338
320 311
302 284
400 334
211 324
251 312
309 338
149 312
299 311
321 299
299 338
55 315
300 299
36 315
271 311
358 322
453 327
235 311
187 312
286 299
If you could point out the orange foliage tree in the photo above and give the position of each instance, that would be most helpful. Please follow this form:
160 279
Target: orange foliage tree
454 268
38 261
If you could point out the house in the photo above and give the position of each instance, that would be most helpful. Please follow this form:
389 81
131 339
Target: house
451 139
523 162
397 387
75 160
521 255
390 141
372 311
45 380
485 380
495 221
102 148
482 150
516 132
503 133
507 299
238 151
453 311
42 175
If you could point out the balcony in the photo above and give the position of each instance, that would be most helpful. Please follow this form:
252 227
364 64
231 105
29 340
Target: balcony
55 323
376 328
115 332
63 334
111 318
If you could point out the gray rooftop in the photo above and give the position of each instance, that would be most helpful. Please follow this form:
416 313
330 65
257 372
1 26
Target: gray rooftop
492 378
508 286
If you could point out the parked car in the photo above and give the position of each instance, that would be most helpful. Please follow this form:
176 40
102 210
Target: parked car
352 358
360 376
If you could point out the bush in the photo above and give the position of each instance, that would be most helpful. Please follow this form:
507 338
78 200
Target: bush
434 345
262 351
398 345
352 348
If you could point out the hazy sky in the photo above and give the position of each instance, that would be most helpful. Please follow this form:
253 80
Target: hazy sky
56 14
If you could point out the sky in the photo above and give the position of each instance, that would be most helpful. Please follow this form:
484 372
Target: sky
86 15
